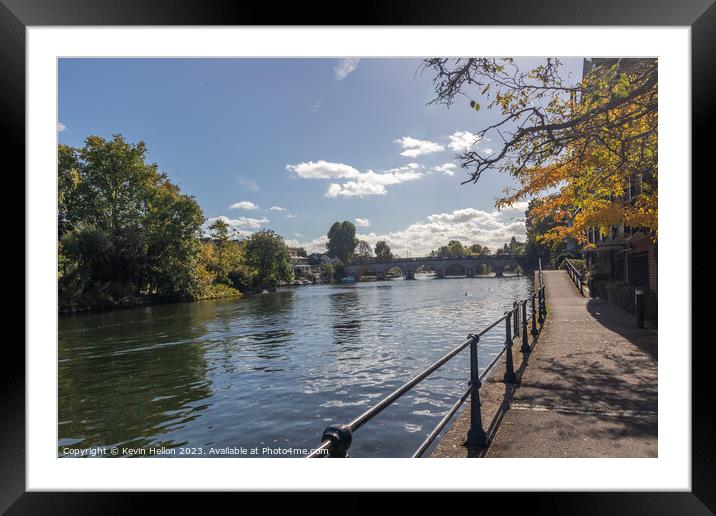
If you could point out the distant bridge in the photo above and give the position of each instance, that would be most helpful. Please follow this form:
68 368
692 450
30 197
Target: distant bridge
442 266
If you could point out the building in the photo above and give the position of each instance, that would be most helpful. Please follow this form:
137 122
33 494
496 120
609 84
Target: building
299 260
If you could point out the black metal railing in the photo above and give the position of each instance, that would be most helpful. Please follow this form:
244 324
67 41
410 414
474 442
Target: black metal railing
336 439
574 275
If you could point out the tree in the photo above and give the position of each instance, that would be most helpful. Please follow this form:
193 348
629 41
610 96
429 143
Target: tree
539 223
364 251
516 248
342 240
169 231
478 250
267 253
329 270
125 230
382 250
592 140
455 249
219 230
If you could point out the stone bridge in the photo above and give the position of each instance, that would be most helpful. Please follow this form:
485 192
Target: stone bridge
443 266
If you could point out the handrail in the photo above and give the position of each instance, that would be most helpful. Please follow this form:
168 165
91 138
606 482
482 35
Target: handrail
336 439
541 279
574 275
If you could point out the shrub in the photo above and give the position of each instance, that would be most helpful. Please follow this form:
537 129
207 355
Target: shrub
579 264
622 295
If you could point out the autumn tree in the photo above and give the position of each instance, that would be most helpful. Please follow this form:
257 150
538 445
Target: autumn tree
592 141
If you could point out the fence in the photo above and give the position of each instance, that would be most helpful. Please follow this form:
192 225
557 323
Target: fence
336 439
574 275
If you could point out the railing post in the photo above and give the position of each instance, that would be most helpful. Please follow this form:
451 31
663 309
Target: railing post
509 367
525 339
340 437
534 317
542 310
515 317
581 287
476 435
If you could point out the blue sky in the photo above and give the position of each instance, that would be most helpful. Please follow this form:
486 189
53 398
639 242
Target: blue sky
317 140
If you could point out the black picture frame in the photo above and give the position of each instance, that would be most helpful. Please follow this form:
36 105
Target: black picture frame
16 15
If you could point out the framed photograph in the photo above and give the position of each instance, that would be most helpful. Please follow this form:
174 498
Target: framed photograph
256 240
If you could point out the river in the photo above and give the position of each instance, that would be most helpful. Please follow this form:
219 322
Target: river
271 371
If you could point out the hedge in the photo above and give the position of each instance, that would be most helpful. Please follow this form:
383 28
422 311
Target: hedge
622 295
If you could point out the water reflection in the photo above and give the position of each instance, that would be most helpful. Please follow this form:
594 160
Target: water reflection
131 376
345 322
273 369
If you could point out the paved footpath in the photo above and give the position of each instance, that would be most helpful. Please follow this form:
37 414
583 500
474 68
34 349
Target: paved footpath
588 389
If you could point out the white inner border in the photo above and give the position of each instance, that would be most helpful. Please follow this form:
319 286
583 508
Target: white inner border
672 468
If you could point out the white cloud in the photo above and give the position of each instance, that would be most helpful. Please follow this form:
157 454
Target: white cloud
374 183
468 225
355 189
248 183
277 208
290 216
323 170
462 141
518 206
361 184
414 147
364 223
61 127
243 205
445 168
239 227
487 150
345 67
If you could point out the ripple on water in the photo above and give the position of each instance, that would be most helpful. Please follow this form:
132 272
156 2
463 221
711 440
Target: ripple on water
275 368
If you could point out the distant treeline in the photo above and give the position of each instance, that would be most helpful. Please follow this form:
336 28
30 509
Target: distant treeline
127 235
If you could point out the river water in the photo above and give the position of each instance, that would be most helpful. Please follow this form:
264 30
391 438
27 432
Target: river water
271 371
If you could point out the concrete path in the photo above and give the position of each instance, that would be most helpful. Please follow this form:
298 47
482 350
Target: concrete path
589 388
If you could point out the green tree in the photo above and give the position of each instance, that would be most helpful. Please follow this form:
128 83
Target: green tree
329 270
363 251
267 253
455 249
219 230
478 250
517 248
124 229
169 232
382 250
342 240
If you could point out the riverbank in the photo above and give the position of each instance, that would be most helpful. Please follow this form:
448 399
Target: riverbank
588 389
140 301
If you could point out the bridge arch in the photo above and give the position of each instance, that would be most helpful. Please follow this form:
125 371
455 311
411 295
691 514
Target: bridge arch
456 269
